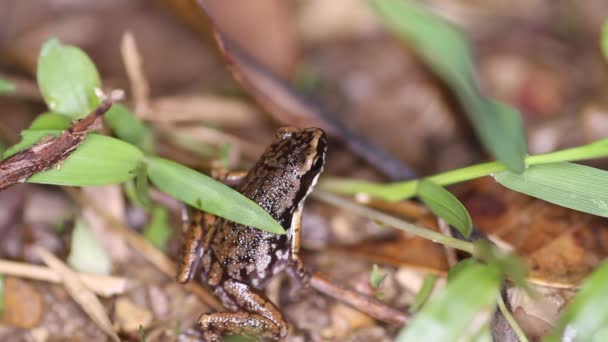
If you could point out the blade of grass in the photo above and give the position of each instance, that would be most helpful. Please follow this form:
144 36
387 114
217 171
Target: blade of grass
445 205
158 231
569 185
207 194
447 52
6 87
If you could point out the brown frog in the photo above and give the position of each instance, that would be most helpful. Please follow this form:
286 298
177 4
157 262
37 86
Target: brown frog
238 261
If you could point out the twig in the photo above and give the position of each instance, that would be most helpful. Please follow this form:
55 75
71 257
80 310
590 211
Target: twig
359 301
51 151
153 255
80 293
133 63
393 221
104 286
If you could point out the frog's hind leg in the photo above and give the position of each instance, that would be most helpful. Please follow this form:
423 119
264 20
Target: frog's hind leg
259 317
194 225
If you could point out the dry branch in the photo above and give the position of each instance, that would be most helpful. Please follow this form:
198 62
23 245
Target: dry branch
52 151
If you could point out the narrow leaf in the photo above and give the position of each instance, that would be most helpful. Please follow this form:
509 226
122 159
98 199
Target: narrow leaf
6 86
586 318
1 294
207 194
376 277
569 185
67 79
141 184
129 128
158 231
424 293
447 316
447 53
445 205
86 254
99 160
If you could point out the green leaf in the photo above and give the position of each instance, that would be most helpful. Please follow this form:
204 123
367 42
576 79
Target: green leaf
447 316
207 194
445 205
446 52
129 128
141 184
67 79
424 293
51 121
586 317
158 231
6 86
29 138
376 277
457 269
508 263
86 254
569 185
99 160
604 39
239 338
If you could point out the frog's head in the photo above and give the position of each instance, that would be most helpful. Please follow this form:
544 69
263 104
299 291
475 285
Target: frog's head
287 171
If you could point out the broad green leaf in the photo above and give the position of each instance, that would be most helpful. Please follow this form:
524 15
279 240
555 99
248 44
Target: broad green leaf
445 205
457 269
86 254
158 231
424 293
99 160
604 40
569 185
6 86
447 316
67 79
207 194
586 317
508 263
447 53
129 128
29 138
51 121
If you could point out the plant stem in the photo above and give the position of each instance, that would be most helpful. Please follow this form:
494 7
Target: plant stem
516 328
393 221
403 190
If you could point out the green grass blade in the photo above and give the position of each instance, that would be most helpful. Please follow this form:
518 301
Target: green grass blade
6 86
99 160
569 185
447 53
129 128
158 231
207 194
447 316
445 205
67 79
586 318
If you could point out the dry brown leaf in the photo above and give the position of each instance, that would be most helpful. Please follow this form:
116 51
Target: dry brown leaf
80 293
23 304
137 78
105 286
130 316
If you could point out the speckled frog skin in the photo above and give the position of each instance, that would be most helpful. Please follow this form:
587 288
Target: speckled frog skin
237 261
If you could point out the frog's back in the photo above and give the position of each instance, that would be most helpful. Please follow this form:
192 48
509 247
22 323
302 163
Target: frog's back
279 182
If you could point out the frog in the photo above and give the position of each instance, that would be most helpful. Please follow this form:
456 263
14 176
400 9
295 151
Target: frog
238 261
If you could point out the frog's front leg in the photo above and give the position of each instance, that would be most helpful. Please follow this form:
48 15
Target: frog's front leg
259 317
296 269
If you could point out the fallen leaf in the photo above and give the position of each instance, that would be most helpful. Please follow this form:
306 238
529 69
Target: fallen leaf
23 304
130 316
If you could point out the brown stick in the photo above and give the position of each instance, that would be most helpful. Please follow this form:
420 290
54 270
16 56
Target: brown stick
51 151
359 301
